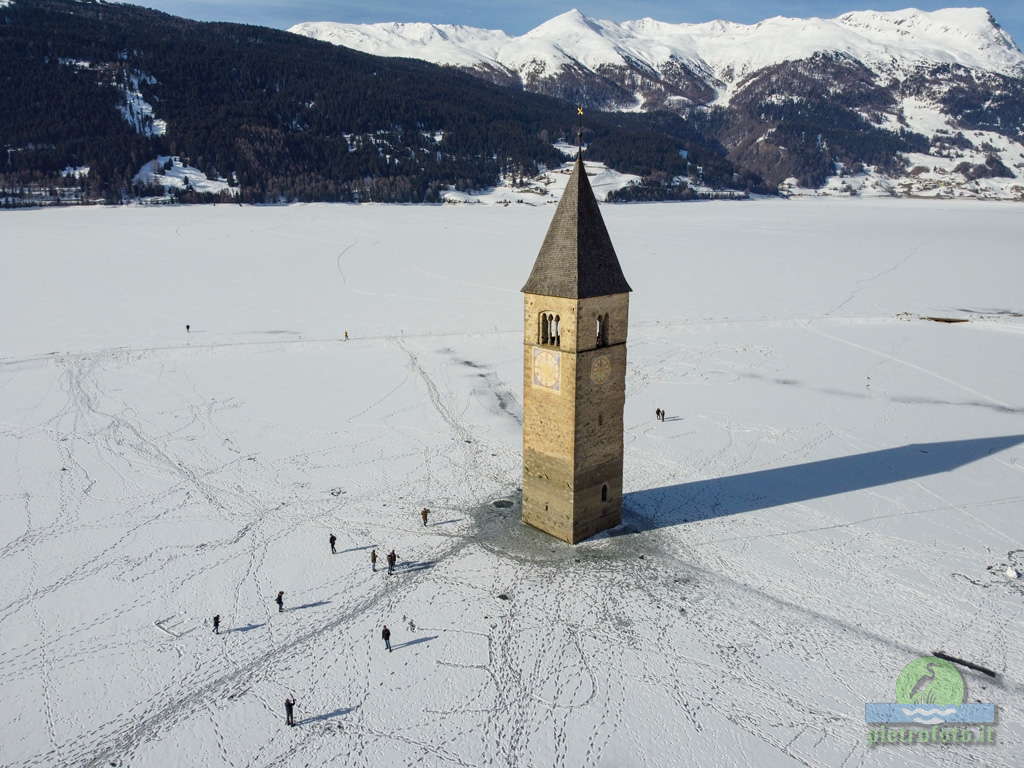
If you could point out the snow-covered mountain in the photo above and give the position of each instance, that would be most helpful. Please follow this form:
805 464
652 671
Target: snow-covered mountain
719 53
938 74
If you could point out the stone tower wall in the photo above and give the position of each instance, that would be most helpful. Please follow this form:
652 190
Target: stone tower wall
573 398
600 400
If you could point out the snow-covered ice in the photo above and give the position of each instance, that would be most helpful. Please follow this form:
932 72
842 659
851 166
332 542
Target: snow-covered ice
838 487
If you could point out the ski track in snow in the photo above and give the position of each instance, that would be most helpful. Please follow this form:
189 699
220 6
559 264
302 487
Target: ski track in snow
146 487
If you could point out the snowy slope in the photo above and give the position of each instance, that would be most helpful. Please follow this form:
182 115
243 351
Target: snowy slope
180 176
725 50
438 43
837 489
136 110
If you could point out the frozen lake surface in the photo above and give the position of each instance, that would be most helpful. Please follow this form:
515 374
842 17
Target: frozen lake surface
838 489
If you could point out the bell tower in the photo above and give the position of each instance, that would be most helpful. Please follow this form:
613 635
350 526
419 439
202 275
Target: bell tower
575 316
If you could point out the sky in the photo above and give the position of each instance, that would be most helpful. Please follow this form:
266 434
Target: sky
520 16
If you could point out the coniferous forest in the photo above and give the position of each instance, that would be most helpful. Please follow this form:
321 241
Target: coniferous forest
286 118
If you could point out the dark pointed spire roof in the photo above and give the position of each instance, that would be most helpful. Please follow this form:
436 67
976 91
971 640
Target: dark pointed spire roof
577 259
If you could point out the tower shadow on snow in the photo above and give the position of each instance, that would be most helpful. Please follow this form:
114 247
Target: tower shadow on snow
723 496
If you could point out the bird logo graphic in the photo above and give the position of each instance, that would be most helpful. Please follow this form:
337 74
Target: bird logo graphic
929 691
931 688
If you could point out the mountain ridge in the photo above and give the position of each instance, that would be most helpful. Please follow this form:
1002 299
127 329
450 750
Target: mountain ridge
724 50
797 101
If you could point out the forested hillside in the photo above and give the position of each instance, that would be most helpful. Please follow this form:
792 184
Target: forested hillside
279 117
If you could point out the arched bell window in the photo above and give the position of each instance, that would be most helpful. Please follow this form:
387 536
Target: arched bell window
602 330
549 330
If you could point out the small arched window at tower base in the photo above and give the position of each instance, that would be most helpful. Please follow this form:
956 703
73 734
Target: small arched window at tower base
604 492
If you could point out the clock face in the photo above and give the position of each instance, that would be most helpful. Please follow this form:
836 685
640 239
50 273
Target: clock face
600 369
547 369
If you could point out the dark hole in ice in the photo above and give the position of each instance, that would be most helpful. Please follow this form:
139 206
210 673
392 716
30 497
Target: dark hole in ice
501 503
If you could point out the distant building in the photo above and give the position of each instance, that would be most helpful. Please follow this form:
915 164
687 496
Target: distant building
575 315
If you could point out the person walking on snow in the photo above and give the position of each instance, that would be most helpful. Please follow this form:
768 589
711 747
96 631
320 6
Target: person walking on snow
216 624
188 328
392 557
289 710
333 540
386 634
423 513
280 601
373 560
